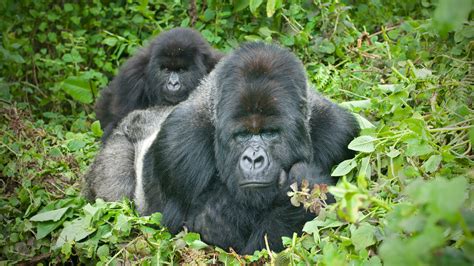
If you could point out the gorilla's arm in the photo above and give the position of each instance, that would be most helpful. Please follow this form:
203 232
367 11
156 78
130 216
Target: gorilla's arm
280 221
124 94
182 162
111 176
331 129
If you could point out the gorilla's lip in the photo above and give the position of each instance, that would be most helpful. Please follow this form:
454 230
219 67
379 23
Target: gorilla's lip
255 184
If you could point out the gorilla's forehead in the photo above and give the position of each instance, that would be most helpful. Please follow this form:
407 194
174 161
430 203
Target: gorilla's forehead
260 81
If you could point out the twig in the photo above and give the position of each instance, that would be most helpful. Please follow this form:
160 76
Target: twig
384 30
35 259
267 246
193 12
121 250
236 256
442 129
399 74
335 26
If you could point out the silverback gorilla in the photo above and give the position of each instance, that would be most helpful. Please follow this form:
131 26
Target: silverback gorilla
221 162
163 73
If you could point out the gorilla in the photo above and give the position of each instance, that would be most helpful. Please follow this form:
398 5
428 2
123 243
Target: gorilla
221 162
163 73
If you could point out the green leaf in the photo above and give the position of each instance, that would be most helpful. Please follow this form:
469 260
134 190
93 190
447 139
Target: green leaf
78 88
327 47
54 215
344 167
393 152
44 228
432 163
76 144
74 231
103 251
418 147
451 14
209 15
364 172
311 226
271 4
123 225
363 122
239 5
362 104
191 237
363 144
198 244
363 236
96 129
422 73
265 32
110 41
441 190
254 4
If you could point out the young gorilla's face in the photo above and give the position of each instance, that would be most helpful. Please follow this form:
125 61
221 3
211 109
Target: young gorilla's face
180 58
181 75
260 127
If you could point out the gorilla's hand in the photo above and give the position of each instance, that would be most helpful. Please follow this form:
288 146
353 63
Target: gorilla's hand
311 172
300 171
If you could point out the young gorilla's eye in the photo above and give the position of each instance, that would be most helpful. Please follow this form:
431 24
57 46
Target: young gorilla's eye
269 134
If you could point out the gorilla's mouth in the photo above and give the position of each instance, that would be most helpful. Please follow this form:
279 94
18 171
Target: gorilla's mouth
175 98
255 184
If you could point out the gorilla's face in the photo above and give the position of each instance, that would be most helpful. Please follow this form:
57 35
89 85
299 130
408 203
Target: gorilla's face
178 73
179 60
260 122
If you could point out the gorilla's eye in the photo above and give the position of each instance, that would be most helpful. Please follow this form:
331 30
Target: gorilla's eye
242 136
269 134
164 68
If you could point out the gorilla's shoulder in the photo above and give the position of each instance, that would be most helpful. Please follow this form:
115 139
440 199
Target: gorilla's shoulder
140 124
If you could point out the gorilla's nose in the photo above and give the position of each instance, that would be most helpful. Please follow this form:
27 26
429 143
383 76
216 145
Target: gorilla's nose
253 160
173 82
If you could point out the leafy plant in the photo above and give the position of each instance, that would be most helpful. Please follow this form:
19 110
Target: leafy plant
404 68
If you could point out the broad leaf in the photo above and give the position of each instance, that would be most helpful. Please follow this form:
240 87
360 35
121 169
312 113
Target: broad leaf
363 144
54 215
78 88
344 167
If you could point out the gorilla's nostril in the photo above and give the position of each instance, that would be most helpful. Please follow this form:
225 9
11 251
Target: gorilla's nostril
247 159
259 162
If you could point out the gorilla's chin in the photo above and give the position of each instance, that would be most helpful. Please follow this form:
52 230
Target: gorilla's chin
258 192
174 97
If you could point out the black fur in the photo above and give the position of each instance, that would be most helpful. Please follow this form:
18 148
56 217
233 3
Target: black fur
142 81
258 94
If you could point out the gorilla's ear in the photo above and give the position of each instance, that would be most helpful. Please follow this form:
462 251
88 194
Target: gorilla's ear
211 59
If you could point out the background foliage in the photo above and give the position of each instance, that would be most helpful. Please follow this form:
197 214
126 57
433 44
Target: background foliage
403 67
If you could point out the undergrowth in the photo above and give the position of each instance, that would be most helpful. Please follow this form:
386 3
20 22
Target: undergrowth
403 67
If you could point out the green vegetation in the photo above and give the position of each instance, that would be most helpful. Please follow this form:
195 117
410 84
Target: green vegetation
404 67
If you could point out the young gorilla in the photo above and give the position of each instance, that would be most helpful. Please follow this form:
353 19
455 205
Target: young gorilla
163 73
222 161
